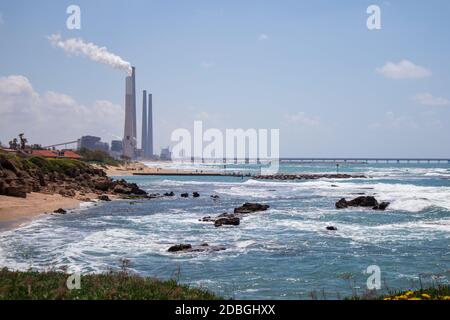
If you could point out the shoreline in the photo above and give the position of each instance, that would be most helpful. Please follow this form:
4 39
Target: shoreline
15 212
139 168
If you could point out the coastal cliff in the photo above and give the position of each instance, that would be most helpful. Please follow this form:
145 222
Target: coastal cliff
20 176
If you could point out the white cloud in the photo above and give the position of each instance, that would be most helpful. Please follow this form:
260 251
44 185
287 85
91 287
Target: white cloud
52 117
301 119
263 37
393 121
403 70
427 99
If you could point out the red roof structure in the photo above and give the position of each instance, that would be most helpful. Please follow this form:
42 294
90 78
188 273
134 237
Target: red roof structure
56 154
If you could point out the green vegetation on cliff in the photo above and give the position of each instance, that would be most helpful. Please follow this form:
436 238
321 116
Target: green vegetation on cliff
32 285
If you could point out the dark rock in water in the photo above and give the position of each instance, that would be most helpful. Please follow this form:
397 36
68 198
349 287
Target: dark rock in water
60 210
204 247
230 220
251 207
180 247
215 197
342 204
207 219
331 228
185 195
196 194
334 186
362 201
169 194
15 192
104 197
382 206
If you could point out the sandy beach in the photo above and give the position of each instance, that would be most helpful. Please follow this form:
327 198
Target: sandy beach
17 211
140 168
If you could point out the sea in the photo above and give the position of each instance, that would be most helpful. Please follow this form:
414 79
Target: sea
285 252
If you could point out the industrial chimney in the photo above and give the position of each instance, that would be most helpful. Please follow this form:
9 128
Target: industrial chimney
144 144
150 127
129 137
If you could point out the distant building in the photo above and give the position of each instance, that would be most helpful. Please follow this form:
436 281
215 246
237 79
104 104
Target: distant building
166 155
116 146
92 143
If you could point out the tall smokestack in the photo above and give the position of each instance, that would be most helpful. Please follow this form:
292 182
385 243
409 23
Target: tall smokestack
144 144
150 126
129 137
133 76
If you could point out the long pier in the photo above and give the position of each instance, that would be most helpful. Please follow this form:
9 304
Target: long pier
349 160
367 160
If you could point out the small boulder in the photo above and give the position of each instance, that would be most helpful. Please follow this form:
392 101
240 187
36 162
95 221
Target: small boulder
331 228
362 201
180 247
196 194
229 221
251 207
169 194
104 197
60 211
185 195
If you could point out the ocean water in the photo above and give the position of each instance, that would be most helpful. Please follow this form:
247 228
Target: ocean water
283 253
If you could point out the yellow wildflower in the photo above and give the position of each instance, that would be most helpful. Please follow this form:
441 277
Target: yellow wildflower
426 296
414 298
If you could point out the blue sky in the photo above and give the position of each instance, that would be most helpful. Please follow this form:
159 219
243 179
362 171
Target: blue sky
308 68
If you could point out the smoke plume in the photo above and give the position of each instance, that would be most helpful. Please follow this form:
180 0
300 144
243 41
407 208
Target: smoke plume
76 46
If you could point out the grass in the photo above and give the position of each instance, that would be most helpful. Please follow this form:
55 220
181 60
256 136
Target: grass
39 163
51 285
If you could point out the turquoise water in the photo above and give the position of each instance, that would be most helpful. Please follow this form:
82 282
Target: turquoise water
283 253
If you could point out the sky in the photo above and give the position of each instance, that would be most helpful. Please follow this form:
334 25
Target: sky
311 69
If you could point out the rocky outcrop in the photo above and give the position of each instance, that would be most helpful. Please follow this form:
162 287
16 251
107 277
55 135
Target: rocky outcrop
184 195
331 228
190 248
363 201
169 194
196 194
307 176
21 175
234 219
60 211
251 207
227 219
